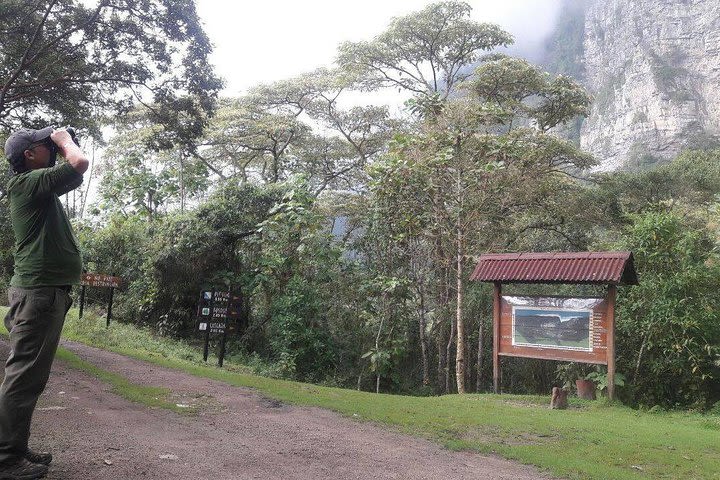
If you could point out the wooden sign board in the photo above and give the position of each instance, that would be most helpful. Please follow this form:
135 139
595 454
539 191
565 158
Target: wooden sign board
218 311
215 327
217 307
100 280
569 329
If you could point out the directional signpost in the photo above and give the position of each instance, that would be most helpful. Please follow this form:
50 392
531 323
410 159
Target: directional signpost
218 312
99 280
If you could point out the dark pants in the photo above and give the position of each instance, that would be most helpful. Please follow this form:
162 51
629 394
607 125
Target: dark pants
35 320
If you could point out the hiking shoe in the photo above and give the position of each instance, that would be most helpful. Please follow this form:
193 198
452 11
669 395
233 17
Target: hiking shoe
43 458
21 469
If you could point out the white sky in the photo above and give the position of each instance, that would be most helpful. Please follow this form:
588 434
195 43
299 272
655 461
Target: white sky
262 41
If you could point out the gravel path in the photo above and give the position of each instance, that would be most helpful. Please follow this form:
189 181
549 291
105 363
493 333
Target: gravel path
94 434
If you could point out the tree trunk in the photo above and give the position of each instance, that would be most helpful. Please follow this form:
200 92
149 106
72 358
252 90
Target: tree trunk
460 355
640 355
441 359
448 356
423 342
478 380
422 320
87 184
182 183
377 347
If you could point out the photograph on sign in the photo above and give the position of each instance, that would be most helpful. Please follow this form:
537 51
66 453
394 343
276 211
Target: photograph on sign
203 326
560 323
552 328
207 295
206 311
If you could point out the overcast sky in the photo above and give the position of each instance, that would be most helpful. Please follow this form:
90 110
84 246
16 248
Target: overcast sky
267 40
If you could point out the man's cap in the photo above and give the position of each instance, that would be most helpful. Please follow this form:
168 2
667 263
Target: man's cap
21 140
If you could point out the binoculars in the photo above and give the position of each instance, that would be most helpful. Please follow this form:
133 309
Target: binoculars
53 148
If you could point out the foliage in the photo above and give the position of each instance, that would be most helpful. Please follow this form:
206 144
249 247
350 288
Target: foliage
296 126
424 53
468 166
567 373
351 231
692 178
136 179
296 262
601 379
67 62
668 334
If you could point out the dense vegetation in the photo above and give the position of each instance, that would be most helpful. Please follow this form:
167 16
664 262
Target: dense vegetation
350 232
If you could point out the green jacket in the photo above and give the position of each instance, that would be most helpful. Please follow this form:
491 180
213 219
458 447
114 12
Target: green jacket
46 250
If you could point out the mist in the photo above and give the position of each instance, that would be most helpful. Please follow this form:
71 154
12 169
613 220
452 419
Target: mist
305 35
529 21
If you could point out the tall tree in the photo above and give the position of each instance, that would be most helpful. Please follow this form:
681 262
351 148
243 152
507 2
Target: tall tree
476 163
427 53
137 179
297 126
68 61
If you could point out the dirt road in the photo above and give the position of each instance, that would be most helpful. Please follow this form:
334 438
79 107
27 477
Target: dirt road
94 434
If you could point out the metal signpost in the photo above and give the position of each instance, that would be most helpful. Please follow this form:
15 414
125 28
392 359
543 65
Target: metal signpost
214 310
99 280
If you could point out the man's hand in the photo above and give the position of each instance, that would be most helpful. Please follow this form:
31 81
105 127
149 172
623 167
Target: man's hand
72 153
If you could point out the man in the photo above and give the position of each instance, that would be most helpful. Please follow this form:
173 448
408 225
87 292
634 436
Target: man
47 264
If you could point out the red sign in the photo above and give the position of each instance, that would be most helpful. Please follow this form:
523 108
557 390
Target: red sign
100 280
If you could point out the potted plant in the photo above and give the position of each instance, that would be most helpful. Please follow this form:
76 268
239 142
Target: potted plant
585 388
574 374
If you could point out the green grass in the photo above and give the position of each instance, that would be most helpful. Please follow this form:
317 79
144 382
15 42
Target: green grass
591 440
154 397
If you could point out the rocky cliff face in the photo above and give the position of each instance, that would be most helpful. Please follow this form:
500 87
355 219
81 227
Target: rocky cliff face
653 67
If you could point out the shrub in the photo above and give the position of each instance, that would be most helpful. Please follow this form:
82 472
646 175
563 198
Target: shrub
668 329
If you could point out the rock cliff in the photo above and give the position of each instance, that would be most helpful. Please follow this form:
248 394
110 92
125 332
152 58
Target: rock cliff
653 67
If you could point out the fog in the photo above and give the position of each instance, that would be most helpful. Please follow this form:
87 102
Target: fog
530 22
259 42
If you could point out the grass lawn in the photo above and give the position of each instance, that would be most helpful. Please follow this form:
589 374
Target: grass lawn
591 440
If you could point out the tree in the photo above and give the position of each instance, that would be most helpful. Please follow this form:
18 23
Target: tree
668 333
69 62
474 164
137 179
296 126
427 53
249 142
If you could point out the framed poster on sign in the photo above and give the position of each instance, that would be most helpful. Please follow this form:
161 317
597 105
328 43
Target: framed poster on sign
554 328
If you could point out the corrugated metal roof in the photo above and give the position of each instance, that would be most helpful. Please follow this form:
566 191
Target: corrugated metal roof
557 267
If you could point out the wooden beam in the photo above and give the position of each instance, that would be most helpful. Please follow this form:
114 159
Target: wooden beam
611 295
497 312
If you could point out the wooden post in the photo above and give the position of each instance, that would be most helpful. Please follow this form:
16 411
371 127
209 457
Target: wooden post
82 301
612 293
497 306
221 358
109 310
206 348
